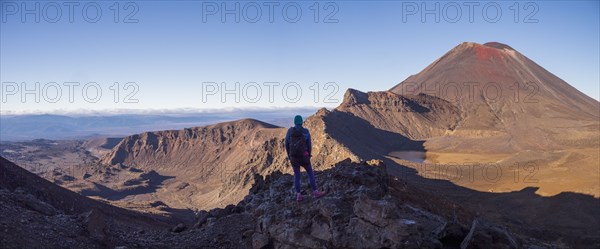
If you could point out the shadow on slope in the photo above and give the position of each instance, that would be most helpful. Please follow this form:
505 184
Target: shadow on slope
370 140
147 183
570 217
13 177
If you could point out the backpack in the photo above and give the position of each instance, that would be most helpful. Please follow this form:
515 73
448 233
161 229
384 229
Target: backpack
297 143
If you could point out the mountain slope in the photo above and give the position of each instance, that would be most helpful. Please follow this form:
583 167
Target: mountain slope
37 213
415 116
213 165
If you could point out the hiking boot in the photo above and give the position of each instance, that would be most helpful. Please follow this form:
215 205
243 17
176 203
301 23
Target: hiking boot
318 194
299 197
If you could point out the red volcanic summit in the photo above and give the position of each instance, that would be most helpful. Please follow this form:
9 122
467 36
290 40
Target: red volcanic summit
505 97
497 45
491 50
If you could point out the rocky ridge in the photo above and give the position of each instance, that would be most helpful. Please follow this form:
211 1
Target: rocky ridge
359 211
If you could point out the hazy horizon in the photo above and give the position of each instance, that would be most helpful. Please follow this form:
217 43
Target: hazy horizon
67 126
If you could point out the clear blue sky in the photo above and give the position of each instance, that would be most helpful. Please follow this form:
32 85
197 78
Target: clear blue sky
170 51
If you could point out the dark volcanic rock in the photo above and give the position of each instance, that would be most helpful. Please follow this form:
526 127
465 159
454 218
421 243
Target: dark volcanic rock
484 235
179 228
347 217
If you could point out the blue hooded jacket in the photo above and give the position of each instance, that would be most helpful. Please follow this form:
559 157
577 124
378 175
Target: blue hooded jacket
306 134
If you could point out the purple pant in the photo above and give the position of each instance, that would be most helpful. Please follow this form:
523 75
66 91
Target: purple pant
304 162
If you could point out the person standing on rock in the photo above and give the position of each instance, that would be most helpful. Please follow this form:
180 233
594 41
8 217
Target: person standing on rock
298 146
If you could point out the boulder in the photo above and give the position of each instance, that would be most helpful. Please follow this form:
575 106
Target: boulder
260 241
94 224
179 228
33 203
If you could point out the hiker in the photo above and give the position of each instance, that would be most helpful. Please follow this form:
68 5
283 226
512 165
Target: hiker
298 146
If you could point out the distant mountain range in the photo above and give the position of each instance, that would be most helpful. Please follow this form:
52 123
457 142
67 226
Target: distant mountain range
78 126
